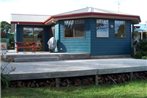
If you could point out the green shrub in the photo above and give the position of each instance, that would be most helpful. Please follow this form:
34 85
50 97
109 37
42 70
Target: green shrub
5 69
5 81
138 55
142 46
144 57
141 49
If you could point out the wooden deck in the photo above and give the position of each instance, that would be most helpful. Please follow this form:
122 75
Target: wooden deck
72 68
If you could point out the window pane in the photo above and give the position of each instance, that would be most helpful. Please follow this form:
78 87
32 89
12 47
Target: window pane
38 34
102 28
38 37
120 29
74 28
28 34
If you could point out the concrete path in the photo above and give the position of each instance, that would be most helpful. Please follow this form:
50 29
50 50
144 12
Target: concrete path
69 68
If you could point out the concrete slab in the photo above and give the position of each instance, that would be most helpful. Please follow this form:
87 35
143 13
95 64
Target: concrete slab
70 68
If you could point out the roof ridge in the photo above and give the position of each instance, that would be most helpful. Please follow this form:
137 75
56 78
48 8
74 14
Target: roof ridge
90 9
70 11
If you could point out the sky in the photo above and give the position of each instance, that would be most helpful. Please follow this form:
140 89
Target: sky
51 7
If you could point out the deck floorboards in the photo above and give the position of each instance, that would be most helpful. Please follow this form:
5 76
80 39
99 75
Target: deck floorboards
71 68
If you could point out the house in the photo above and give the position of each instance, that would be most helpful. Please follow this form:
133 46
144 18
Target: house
140 32
87 30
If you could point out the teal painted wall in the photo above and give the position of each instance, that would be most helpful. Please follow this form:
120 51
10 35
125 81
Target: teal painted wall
57 36
89 43
111 45
74 44
92 44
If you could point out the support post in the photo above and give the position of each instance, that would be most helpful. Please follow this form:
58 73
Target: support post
96 80
131 76
57 80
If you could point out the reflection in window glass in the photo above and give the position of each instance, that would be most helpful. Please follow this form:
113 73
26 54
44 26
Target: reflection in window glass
102 28
33 35
74 28
120 29
28 34
38 33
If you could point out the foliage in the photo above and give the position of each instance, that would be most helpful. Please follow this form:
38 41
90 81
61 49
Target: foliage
141 49
11 41
144 57
6 35
5 70
138 54
4 81
142 46
133 89
5 27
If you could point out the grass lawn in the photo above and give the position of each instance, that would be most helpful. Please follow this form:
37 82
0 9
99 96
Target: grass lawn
134 89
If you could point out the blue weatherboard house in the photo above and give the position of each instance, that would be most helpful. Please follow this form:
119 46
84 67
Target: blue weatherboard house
88 30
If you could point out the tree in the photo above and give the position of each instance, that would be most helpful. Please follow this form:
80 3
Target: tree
5 27
6 35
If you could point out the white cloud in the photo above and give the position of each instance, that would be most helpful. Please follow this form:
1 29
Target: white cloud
51 7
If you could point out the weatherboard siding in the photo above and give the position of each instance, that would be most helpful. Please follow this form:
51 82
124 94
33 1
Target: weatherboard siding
94 45
111 45
87 44
19 33
81 44
57 37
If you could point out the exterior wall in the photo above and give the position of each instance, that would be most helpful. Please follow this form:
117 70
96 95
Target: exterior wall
111 45
94 45
47 35
74 44
19 34
87 44
57 37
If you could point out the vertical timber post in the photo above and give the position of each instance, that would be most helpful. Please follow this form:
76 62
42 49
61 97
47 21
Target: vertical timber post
57 80
96 80
131 76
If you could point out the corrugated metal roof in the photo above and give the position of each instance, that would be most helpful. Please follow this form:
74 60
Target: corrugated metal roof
90 12
90 9
87 12
29 18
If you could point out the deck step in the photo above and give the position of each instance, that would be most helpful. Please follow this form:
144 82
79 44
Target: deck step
48 57
35 58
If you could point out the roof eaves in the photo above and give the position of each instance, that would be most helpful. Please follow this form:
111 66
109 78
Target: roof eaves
27 23
136 19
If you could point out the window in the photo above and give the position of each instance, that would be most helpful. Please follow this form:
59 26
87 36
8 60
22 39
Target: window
33 35
74 28
28 34
120 29
102 28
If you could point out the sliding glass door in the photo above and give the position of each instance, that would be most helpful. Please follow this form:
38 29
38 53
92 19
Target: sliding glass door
33 35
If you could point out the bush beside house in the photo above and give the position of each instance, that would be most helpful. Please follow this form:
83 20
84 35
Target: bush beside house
141 50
